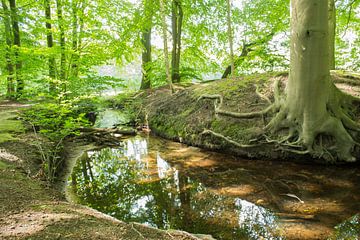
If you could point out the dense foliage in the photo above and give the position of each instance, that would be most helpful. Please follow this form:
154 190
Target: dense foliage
97 45
56 122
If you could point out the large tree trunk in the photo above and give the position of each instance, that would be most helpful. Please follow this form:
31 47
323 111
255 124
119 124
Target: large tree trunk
62 44
146 42
50 45
176 19
165 39
8 39
313 104
332 33
230 38
17 45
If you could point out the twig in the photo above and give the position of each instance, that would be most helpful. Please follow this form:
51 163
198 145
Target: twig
292 196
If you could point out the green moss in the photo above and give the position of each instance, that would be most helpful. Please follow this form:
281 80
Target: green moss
3 165
4 137
9 126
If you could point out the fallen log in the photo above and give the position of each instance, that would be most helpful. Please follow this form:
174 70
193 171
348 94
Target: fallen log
107 131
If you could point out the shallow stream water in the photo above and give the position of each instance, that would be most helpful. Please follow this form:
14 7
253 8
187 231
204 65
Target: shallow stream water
172 186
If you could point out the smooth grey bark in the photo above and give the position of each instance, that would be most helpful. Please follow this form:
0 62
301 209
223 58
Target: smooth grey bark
8 39
313 107
176 21
332 33
146 42
50 45
17 44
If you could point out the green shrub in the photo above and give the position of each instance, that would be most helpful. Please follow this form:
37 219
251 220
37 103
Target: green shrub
55 122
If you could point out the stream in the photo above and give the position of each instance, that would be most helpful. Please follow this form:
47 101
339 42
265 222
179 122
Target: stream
169 185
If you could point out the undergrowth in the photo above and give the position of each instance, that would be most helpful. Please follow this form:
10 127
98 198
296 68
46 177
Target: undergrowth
55 122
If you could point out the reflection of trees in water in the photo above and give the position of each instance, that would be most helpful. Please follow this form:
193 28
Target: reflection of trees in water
130 186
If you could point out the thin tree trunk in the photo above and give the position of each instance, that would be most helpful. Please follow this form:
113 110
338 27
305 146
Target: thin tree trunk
332 33
9 65
62 44
17 44
166 52
146 42
81 34
50 45
75 26
230 37
245 51
176 19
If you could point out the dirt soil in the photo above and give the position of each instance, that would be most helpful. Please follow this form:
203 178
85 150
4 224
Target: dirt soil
31 209
184 115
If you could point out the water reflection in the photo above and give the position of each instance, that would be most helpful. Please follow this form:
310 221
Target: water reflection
134 184
257 221
349 229
109 117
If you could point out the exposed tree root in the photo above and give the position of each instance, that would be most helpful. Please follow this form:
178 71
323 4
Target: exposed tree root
354 81
262 96
245 115
227 139
303 134
219 102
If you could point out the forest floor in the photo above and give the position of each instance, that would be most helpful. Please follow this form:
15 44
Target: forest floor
31 209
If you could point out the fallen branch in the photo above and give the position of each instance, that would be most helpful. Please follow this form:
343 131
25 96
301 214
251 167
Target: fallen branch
107 131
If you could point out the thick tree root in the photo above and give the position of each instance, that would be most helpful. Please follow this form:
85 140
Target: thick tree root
272 106
303 135
245 115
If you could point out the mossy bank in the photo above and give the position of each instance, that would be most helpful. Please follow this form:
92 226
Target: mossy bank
189 115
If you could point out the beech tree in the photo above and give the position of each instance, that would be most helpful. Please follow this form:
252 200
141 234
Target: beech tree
50 45
176 21
16 46
165 40
8 53
230 36
146 42
312 107
332 32
60 19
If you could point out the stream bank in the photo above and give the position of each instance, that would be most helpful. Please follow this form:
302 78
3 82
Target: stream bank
188 116
32 209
